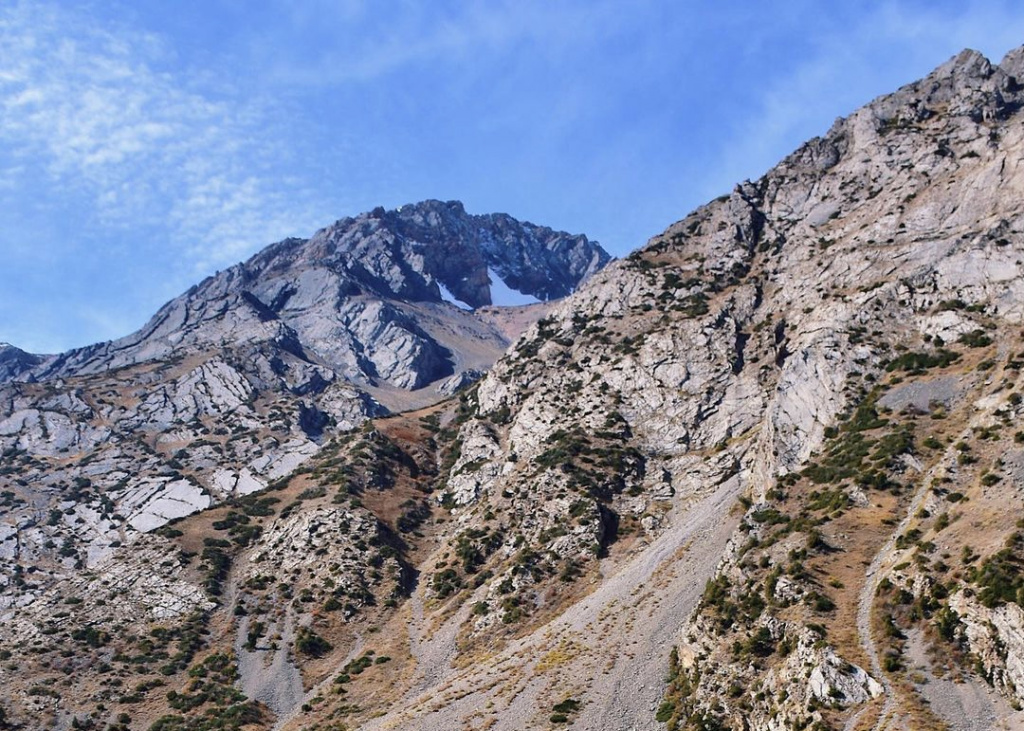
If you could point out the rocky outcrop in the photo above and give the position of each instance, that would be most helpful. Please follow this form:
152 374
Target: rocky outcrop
996 637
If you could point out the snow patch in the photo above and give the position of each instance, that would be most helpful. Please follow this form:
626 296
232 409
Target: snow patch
447 296
504 296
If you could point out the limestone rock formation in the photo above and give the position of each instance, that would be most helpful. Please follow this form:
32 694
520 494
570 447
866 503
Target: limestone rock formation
764 473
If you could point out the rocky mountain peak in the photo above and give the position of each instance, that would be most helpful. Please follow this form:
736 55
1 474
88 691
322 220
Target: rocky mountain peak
14 361
365 298
434 250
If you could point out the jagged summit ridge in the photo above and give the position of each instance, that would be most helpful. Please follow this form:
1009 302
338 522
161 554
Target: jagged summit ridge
362 298
409 252
458 249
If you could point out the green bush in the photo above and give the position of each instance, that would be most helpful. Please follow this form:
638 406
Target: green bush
310 643
975 339
569 705
1000 577
916 362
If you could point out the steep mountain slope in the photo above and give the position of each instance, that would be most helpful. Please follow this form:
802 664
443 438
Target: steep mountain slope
715 364
754 334
238 381
775 456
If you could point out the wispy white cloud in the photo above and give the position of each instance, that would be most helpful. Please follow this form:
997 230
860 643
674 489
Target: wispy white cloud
237 124
105 113
371 41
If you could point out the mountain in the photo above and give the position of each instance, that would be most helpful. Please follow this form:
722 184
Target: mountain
238 381
14 362
363 298
764 473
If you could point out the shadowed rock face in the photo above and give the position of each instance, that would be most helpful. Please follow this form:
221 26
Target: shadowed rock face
457 249
14 362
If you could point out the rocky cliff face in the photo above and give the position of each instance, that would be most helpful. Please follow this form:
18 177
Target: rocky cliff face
241 379
774 456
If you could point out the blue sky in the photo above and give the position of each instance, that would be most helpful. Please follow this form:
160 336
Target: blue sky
146 144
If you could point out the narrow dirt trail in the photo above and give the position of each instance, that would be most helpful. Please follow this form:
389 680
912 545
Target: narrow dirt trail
882 560
865 606
617 638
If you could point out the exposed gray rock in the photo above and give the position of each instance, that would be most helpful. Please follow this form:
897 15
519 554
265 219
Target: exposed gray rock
337 298
14 362
925 396
237 382
723 351
592 477
451 386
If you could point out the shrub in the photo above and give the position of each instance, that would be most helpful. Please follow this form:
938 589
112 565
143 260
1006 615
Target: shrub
1000 577
569 705
665 711
917 362
975 339
310 643
820 602
892 662
91 636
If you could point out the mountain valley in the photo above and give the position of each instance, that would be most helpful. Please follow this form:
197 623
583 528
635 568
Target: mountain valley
765 473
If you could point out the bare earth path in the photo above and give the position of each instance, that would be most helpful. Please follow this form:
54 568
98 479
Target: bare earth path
888 718
268 674
964 706
864 611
